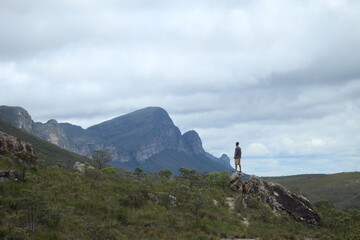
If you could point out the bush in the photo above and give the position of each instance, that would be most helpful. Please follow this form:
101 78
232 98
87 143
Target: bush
18 234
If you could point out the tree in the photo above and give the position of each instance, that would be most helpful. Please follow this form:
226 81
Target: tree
190 176
26 160
101 157
138 172
164 175
220 179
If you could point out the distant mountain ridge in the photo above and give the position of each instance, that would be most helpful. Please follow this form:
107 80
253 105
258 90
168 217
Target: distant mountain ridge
144 138
340 189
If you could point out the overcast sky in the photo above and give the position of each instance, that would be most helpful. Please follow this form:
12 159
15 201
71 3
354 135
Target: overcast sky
281 77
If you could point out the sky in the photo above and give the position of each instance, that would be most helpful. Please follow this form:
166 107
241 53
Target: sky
282 77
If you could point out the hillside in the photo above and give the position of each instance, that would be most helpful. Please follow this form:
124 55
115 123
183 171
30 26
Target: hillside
172 160
51 152
341 189
64 204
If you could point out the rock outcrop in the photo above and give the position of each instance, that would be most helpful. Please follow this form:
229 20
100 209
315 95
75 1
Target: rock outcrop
277 197
12 175
81 167
11 146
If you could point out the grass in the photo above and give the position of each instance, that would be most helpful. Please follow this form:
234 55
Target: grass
51 152
56 203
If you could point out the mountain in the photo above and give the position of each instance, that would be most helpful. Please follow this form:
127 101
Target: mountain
51 152
17 117
146 138
223 160
340 189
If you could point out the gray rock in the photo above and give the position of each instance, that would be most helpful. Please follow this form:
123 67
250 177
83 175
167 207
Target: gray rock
277 197
17 117
12 175
193 141
10 145
81 167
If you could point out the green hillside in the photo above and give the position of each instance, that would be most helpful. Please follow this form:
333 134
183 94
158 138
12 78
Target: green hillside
341 189
55 203
51 152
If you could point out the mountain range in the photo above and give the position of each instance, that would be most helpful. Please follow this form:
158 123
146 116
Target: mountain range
146 138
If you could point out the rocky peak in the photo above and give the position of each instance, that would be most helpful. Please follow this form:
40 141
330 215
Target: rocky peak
140 134
52 122
277 197
17 117
52 132
225 159
193 142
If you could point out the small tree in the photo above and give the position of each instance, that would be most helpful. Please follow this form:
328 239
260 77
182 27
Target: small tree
138 172
27 161
164 175
101 157
190 176
33 205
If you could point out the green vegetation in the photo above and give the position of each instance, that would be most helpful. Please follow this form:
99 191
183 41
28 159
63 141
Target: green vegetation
56 203
100 158
51 153
341 190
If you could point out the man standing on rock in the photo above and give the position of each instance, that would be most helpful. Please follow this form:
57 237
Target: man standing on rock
237 156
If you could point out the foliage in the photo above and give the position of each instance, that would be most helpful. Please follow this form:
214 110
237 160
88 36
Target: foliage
52 153
164 175
100 158
56 203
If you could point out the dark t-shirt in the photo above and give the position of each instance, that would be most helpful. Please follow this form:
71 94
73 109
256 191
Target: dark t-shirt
237 152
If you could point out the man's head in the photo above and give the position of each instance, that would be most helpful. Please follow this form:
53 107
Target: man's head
237 143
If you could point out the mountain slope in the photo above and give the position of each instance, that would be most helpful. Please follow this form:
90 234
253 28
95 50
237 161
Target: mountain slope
137 138
140 134
51 152
173 160
341 189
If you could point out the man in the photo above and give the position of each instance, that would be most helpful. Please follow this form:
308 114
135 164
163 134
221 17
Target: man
237 156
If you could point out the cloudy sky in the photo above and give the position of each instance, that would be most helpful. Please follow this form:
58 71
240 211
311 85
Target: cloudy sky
281 77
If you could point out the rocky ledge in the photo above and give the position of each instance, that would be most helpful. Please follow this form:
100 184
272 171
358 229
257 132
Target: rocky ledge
277 197
10 145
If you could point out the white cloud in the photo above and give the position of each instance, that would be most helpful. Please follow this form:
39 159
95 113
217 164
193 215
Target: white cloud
282 77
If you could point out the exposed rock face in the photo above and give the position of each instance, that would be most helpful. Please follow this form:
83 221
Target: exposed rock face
17 117
10 145
193 142
52 132
138 135
277 197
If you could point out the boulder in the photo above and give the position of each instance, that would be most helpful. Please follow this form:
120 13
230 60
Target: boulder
81 167
277 197
12 175
10 145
